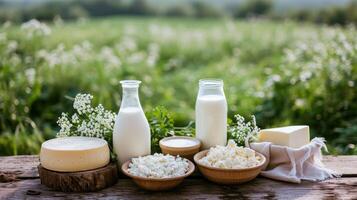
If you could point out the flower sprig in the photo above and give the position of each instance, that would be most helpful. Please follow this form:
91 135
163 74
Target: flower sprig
242 131
87 120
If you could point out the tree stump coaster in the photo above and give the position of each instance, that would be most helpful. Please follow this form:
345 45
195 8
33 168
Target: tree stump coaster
85 181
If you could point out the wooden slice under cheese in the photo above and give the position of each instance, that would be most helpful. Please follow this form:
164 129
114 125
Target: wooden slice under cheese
73 154
86 181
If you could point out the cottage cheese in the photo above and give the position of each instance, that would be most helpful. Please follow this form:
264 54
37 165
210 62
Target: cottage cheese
230 157
158 166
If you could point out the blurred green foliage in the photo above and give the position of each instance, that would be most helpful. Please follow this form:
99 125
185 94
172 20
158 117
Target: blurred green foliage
331 13
284 73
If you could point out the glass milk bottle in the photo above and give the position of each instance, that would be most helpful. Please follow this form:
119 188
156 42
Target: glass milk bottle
131 135
211 113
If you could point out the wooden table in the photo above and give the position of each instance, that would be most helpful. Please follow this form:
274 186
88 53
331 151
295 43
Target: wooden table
25 184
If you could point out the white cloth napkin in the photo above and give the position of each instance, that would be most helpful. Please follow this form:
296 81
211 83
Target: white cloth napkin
294 164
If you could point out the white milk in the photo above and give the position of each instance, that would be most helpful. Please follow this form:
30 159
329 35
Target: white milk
211 120
131 136
179 142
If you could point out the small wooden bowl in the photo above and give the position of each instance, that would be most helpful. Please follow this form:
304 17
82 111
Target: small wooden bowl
185 152
228 176
157 184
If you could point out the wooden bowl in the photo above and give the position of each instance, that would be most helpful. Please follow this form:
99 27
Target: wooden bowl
228 176
185 152
157 184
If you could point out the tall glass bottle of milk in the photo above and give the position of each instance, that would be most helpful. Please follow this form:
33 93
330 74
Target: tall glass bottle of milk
211 113
131 135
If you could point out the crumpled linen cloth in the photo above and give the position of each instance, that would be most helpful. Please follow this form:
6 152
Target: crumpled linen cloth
294 164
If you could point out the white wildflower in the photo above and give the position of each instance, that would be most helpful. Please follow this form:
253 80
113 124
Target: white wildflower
58 56
136 58
65 126
241 130
107 55
126 45
153 54
82 103
12 46
75 118
61 56
30 75
15 59
305 75
351 84
82 51
165 33
272 80
299 103
88 121
35 28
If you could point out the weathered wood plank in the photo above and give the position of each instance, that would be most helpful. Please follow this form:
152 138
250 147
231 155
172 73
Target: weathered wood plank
260 188
346 165
26 166
194 188
22 166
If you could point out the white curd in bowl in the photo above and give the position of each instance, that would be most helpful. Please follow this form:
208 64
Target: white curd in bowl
158 166
231 157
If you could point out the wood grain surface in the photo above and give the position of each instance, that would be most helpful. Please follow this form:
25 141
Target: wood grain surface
28 186
86 181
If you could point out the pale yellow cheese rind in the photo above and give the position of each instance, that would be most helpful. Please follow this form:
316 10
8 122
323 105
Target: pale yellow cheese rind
73 154
290 136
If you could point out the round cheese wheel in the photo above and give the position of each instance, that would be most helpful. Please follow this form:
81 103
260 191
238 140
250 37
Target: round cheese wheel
72 154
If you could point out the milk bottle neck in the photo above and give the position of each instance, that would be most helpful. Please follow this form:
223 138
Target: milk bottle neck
130 94
210 87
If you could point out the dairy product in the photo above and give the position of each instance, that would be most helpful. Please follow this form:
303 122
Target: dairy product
291 136
158 166
131 136
230 157
72 154
211 120
179 142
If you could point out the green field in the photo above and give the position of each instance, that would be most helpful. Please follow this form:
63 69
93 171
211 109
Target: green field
283 73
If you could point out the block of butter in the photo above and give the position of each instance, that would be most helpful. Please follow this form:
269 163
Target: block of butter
291 136
73 154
